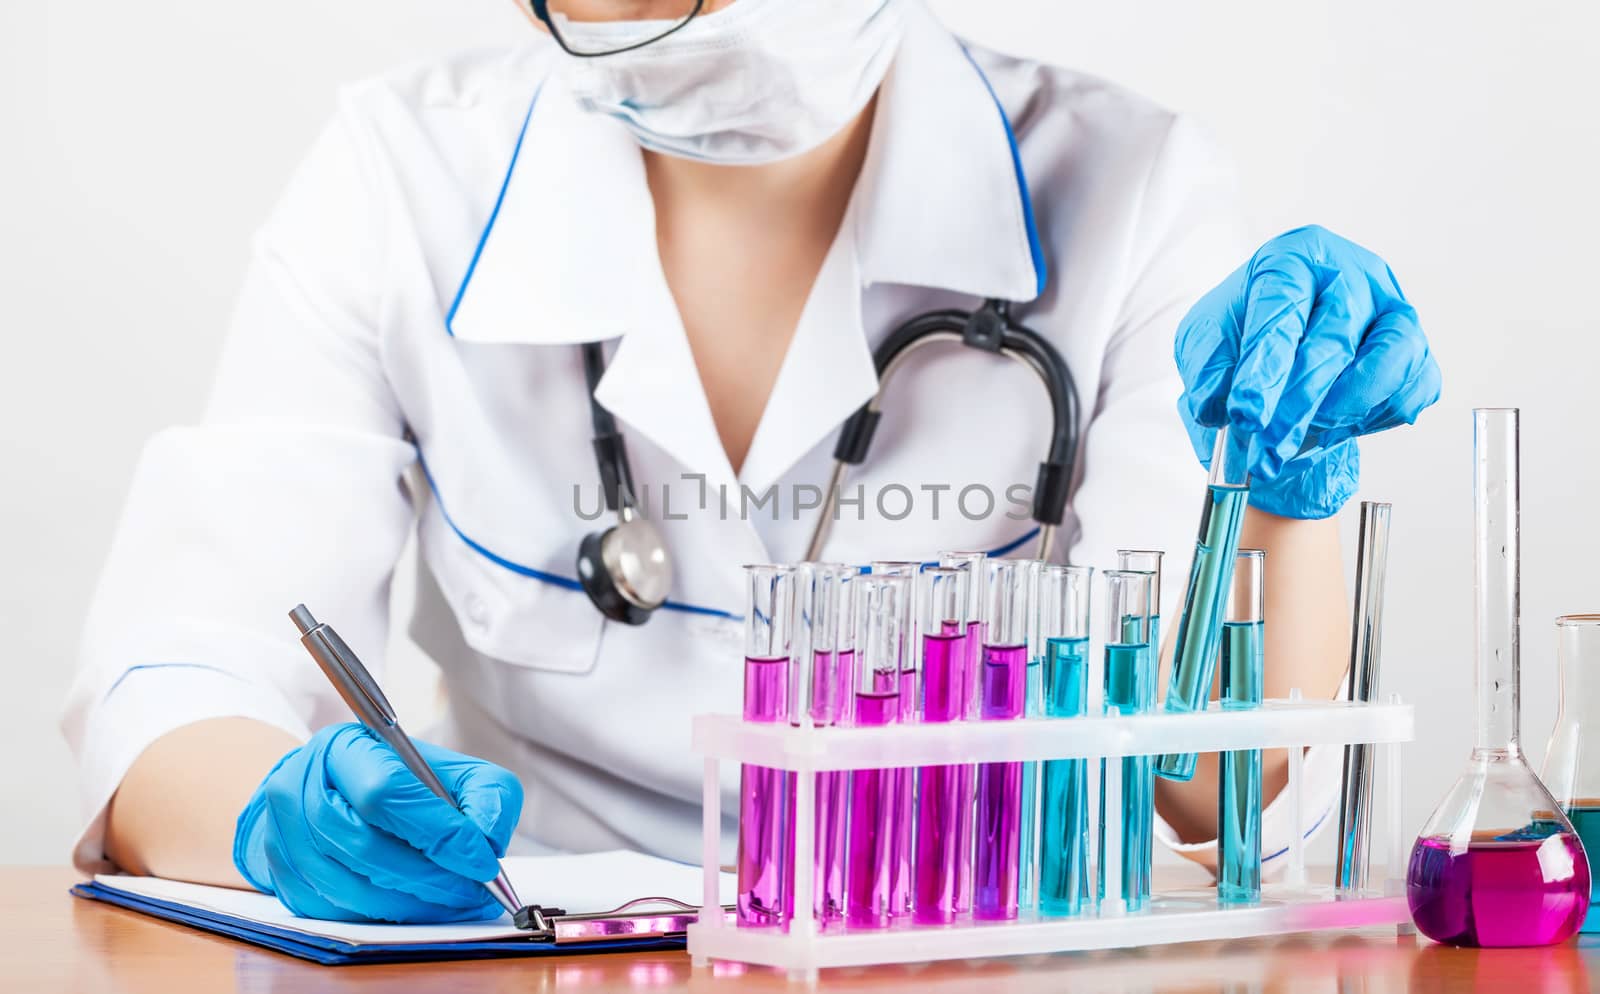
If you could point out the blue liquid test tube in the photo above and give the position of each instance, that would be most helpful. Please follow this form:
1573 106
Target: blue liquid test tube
1147 561
1194 657
1130 689
1239 793
1063 836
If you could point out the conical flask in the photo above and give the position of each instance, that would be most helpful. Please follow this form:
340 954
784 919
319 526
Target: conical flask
1498 863
1572 762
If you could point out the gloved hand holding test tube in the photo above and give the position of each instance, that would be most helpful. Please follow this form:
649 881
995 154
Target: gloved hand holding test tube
1194 658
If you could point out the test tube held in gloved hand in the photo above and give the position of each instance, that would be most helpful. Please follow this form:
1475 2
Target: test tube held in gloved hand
1194 658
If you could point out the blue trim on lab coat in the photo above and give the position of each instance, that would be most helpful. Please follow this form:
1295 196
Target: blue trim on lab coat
494 214
1041 269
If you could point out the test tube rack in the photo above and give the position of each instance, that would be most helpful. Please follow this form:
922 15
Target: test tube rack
1293 904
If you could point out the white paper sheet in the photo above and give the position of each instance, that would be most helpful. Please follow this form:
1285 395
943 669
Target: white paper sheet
585 883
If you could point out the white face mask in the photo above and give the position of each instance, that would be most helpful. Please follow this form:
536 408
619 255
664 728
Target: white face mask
757 81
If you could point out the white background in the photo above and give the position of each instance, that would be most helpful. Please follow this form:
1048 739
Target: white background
140 143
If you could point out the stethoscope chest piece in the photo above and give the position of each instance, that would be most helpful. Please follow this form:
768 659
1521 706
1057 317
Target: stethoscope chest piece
625 569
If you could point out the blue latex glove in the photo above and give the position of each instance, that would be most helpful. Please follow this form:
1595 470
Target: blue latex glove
340 829
1307 346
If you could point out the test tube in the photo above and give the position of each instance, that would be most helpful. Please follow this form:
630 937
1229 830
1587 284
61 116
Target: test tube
901 884
941 805
1002 687
1147 561
1064 802
830 683
972 562
1239 793
764 874
880 607
1366 655
1129 689
1032 707
1194 658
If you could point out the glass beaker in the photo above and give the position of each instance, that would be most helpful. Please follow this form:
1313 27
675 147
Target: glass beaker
1572 762
1498 863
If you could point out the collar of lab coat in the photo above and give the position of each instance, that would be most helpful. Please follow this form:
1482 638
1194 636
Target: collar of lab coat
569 254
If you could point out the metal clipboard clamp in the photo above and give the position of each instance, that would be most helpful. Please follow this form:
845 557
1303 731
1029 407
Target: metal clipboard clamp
641 918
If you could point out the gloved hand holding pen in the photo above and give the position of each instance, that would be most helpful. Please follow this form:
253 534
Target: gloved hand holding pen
1304 348
341 829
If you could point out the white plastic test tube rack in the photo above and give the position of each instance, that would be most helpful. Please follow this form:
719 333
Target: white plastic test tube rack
1290 905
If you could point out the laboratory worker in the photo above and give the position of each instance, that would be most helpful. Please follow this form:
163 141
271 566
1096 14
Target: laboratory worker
651 258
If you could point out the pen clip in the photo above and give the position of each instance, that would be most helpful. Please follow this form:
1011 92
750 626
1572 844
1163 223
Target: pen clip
358 674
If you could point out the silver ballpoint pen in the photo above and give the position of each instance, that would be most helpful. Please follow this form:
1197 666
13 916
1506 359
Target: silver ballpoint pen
373 710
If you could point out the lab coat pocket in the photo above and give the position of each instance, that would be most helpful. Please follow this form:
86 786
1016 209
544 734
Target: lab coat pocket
507 616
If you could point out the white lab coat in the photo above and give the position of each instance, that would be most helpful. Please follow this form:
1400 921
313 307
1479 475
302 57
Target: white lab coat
414 300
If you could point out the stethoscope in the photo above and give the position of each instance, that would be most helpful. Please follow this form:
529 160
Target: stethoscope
625 569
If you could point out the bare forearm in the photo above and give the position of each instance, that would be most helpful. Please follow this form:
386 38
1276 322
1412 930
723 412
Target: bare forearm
1307 647
174 813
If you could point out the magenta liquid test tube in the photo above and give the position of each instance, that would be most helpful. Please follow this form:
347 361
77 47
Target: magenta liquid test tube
901 884
832 681
1002 693
942 807
765 873
873 838
972 648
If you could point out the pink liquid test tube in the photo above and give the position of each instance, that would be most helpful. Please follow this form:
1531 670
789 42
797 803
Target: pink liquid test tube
875 844
972 563
1002 693
832 682
765 869
902 885
942 806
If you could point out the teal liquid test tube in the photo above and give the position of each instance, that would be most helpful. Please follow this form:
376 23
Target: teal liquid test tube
1063 835
1199 638
1239 790
1130 689
1147 561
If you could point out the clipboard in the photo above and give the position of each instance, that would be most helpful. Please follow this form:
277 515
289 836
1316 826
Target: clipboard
644 923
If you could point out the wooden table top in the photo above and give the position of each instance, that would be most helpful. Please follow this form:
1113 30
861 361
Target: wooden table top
50 942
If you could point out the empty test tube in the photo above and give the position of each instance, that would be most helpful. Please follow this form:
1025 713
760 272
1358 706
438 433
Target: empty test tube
1002 688
1130 689
1239 790
1063 839
1366 656
1032 707
872 855
1194 658
942 805
764 872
